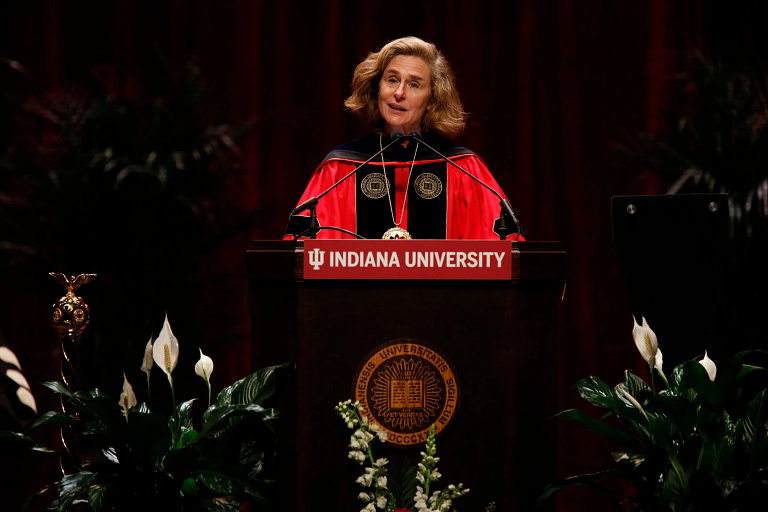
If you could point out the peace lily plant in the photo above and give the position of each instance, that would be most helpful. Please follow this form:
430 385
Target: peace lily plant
152 461
698 444
403 488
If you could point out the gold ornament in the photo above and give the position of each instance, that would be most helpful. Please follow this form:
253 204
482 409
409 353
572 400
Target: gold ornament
69 318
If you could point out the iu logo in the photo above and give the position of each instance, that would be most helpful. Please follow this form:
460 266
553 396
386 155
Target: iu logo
316 257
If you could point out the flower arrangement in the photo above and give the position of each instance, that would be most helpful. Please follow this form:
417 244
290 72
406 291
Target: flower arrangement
164 462
698 444
404 488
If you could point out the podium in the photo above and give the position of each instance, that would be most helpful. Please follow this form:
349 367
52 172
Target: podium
498 335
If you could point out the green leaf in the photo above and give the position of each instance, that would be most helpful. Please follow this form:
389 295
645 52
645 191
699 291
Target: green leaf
189 487
696 377
637 387
680 411
726 447
753 425
589 481
96 496
54 417
221 504
676 384
180 419
31 443
401 482
73 487
597 392
220 482
215 424
252 389
627 441
188 435
675 484
57 387
257 387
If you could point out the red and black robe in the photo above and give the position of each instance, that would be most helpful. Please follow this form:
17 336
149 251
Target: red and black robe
442 202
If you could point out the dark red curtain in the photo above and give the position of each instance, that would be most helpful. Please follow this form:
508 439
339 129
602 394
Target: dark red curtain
548 85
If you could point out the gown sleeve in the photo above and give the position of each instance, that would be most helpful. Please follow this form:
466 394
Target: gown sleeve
336 209
472 209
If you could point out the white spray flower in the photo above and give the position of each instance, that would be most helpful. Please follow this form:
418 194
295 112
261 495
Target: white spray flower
709 365
127 397
646 341
146 365
166 350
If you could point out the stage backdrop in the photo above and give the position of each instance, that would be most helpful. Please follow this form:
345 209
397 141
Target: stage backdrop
547 86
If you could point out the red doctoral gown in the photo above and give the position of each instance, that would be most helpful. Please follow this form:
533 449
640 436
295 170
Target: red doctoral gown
434 200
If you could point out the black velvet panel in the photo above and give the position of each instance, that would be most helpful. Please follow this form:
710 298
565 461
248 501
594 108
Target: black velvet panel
426 217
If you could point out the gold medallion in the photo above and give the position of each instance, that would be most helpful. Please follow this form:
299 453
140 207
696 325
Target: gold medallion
396 234
428 186
374 185
405 387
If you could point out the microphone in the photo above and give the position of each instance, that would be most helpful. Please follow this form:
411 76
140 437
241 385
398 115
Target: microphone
313 201
506 208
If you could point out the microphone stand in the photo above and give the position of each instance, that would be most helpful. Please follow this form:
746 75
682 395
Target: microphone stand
506 208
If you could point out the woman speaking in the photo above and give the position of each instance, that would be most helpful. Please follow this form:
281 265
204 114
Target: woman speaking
408 191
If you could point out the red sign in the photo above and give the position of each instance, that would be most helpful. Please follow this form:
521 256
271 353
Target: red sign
407 259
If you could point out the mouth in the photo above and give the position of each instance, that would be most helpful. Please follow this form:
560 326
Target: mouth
396 108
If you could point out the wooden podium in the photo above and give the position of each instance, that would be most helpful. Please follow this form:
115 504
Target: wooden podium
499 336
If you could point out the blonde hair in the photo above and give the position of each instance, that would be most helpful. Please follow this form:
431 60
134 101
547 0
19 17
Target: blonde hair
445 114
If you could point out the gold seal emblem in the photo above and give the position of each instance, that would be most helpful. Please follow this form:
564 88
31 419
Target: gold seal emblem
428 186
374 185
405 387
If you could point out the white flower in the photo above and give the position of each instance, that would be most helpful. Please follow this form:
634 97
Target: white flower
367 479
435 475
127 397
204 367
709 365
369 508
383 435
420 498
9 357
659 361
354 443
365 496
166 349
445 506
146 366
25 397
357 456
23 392
381 482
646 341
381 501
381 462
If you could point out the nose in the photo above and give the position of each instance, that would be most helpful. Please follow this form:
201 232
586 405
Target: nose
400 92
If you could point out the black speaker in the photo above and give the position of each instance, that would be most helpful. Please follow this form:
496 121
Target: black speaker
671 250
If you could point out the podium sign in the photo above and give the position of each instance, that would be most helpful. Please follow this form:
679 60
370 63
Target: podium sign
408 259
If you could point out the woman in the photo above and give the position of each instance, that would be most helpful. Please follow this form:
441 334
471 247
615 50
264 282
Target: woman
409 191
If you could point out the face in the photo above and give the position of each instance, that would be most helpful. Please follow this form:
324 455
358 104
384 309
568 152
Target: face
404 92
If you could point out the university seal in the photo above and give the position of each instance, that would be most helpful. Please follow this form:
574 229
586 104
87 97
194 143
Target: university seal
405 386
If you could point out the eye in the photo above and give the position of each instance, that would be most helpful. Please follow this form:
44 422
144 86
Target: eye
414 85
392 80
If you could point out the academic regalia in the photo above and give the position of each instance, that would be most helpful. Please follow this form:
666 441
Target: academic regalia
442 202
